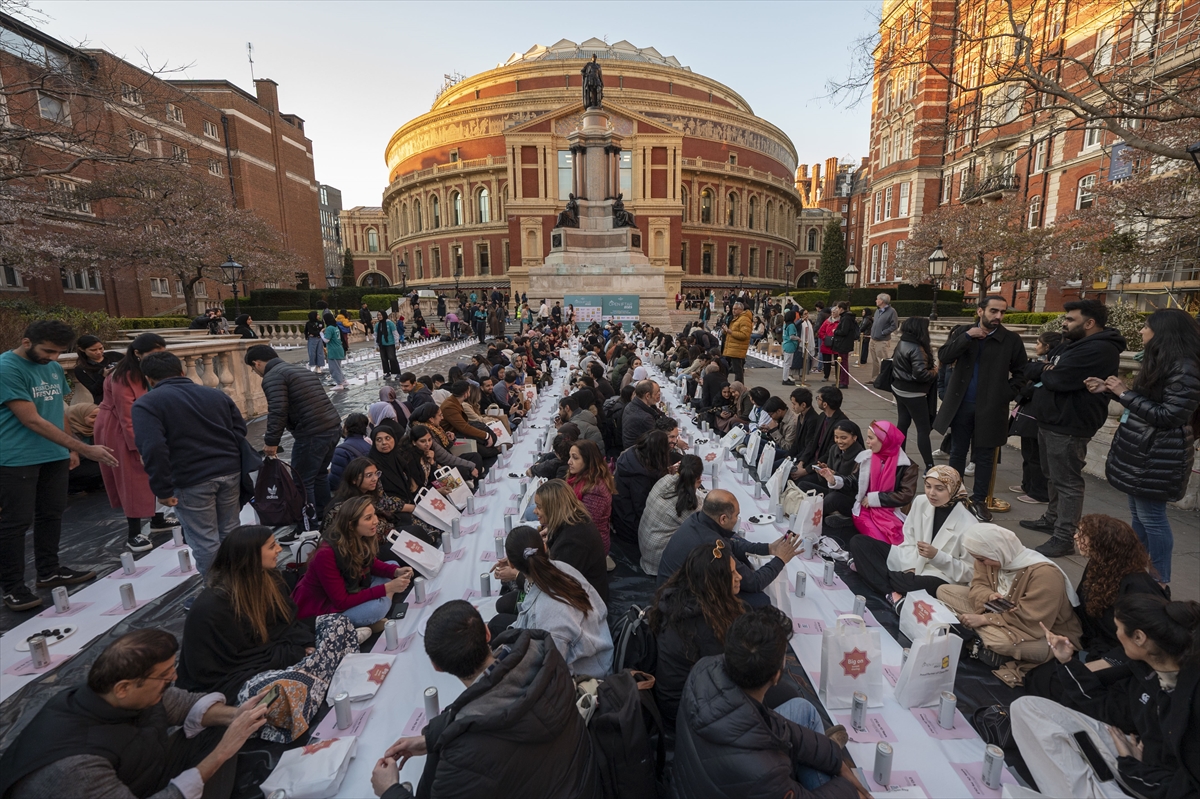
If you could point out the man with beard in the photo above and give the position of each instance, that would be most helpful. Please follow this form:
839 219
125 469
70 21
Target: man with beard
988 359
1069 415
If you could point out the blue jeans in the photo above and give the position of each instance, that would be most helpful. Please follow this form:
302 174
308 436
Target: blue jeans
310 459
316 352
367 613
803 713
1149 520
335 369
207 513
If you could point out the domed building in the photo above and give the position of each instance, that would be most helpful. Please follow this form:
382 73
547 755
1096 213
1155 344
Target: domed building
475 185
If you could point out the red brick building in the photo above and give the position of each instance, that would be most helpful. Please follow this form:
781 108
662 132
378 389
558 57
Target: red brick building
224 133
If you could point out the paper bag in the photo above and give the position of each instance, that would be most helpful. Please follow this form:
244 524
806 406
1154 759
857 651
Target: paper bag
534 485
424 557
920 613
779 479
750 451
930 669
850 662
766 459
360 675
314 771
502 436
733 439
451 479
433 508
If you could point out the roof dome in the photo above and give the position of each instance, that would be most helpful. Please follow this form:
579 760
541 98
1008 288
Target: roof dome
565 49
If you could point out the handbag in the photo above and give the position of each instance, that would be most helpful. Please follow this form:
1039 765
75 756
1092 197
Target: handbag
502 436
930 668
750 450
921 613
530 490
994 726
733 438
434 509
851 662
425 558
884 381
314 771
807 517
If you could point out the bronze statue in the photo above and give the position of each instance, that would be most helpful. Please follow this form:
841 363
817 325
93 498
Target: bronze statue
593 84
570 216
621 217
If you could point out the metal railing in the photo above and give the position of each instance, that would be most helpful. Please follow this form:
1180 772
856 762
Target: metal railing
992 184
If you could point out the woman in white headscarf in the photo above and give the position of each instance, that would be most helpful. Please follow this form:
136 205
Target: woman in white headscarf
1039 593
636 374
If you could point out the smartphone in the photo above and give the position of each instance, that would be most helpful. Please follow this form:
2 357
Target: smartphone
1000 605
399 610
1093 756
271 696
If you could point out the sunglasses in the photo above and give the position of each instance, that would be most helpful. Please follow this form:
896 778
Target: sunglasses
718 548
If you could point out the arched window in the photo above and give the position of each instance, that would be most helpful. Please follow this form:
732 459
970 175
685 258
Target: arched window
456 209
484 203
733 209
706 207
770 217
812 239
1035 212
750 212
1087 193
687 210
372 240
404 219
436 211
418 218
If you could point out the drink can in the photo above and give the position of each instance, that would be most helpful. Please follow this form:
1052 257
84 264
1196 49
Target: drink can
993 766
62 602
883 764
827 578
127 563
455 528
39 651
447 542
390 634
418 584
858 711
860 605
806 548
431 703
946 707
758 489
485 584
185 561
500 553
177 536
470 506
128 600
904 657
341 707
801 583
508 522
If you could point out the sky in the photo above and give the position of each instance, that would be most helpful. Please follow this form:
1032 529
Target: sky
357 71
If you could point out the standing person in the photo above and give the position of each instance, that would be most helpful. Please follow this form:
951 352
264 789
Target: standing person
316 344
92 365
882 328
844 337
1069 415
914 383
364 316
989 362
385 337
127 485
823 314
1033 489
825 341
808 344
737 339
1153 449
36 460
791 349
678 300
297 402
189 438
864 335
335 351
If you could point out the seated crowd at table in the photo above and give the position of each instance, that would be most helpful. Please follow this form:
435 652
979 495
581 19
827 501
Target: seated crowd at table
1112 656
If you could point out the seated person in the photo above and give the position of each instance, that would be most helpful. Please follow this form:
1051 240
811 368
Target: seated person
469 464
932 553
717 519
553 464
1038 589
355 444
690 615
242 635
454 420
673 498
589 478
818 441
345 574
81 423
638 469
111 734
884 483
387 408
513 731
1144 725
402 475
360 478
730 744
833 476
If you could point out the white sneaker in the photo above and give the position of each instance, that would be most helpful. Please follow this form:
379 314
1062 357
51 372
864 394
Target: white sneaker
939 455
363 633
970 469
831 550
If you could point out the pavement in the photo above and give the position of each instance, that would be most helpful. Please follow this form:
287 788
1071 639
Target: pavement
863 406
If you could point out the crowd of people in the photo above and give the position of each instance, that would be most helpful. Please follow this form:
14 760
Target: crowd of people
1111 656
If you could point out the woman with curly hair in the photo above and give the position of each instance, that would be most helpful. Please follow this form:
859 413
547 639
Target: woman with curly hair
589 478
690 615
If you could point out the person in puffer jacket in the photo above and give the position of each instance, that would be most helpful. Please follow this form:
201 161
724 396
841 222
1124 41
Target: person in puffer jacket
728 743
1153 449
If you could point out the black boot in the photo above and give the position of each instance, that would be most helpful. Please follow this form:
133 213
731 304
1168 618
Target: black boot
1057 547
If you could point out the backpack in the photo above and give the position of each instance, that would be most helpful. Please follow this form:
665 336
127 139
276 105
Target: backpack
622 724
279 497
634 644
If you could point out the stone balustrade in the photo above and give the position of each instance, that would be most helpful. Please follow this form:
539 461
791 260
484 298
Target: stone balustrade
291 334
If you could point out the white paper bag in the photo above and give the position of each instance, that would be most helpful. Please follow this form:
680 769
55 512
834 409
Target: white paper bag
312 772
733 439
424 557
807 520
920 613
750 451
502 436
359 674
534 485
450 478
766 459
779 479
850 662
930 669
699 395
433 508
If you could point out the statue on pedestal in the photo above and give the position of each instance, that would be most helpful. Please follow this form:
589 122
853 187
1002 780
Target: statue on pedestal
621 217
593 84
570 216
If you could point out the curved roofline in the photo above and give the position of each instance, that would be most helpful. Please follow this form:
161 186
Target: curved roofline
565 49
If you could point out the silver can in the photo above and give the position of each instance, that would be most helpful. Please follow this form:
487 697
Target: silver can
508 523
993 766
345 714
946 706
860 605
828 577
62 602
806 548
447 543
500 553
883 764
758 490
455 528
128 600
470 506
431 704
391 635
858 711
801 583
127 563
177 536
485 584
39 651
904 657
418 586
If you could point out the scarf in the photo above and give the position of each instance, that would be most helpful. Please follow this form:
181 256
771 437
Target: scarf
393 478
639 374
77 419
885 462
950 478
379 410
1000 544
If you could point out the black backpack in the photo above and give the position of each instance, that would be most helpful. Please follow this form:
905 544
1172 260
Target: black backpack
626 720
279 496
634 644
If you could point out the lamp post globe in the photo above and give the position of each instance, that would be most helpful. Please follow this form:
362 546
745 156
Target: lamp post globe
850 275
334 281
937 270
231 273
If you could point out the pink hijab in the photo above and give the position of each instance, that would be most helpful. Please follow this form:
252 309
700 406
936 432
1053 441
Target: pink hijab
883 523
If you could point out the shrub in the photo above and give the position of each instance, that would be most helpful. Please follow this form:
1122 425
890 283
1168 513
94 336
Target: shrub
378 302
152 322
16 315
1121 315
259 313
809 297
281 298
293 316
1032 319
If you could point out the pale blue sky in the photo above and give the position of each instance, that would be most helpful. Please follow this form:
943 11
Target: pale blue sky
356 71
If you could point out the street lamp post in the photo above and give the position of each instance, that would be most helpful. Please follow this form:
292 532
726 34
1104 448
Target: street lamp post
403 277
457 274
333 280
937 270
788 267
231 271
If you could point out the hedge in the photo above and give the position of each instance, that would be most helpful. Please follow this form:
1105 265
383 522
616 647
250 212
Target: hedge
1030 318
259 313
293 315
350 297
378 302
152 322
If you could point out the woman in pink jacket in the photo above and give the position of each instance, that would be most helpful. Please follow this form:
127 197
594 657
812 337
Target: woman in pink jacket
127 485
589 478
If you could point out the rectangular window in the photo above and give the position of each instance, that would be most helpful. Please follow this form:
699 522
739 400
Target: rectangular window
1092 134
1087 193
65 195
753 262
435 261
874 263
138 141
1039 156
457 252
565 182
770 263
1105 40
131 94
454 155
507 257
887 203
997 271
878 206
733 159
160 287
201 289
883 261
215 168
627 174
53 109
902 210
683 256
179 154
706 260
485 265
420 264
11 278
174 114
885 152
81 280
210 130
947 186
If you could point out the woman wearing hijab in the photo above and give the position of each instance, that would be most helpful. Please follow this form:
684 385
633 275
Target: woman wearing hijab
931 554
242 326
316 347
885 482
386 408
393 456
81 421
1014 592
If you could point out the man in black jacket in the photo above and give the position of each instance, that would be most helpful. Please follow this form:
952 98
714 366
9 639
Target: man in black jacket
807 421
820 440
1069 415
988 360
640 414
715 521
514 731
297 402
731 743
